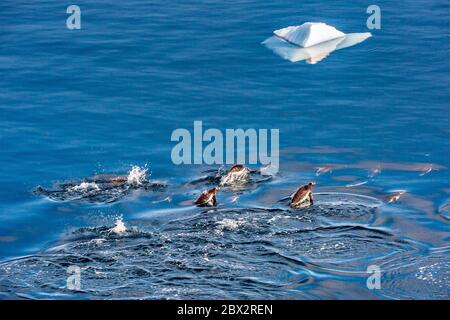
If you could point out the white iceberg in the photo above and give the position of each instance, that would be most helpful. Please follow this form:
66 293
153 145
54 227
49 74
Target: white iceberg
309 34
290 44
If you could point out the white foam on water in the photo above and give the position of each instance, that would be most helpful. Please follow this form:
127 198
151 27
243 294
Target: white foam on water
230 224
332 246
430 273
137 175
85 186
119 227
98 241
278 217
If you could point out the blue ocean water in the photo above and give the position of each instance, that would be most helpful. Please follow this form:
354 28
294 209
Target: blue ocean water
75 103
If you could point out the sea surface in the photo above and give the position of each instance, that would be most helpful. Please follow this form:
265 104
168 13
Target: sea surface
366 123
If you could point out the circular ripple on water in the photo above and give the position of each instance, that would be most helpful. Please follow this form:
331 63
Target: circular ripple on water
173 264
417 277
216 254
341 248
331 208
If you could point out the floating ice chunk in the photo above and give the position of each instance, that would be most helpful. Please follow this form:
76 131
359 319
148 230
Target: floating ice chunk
309 34
315 53
352 39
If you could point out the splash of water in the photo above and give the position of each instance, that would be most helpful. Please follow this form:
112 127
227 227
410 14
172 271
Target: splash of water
233 179
119 227
137 176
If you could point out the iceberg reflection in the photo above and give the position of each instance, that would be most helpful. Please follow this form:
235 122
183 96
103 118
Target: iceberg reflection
315 53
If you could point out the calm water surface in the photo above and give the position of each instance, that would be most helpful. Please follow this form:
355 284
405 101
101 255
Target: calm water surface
101 99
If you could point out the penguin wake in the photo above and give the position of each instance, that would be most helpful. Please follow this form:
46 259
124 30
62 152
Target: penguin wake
103 188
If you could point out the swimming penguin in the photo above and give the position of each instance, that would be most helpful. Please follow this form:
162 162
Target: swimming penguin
237 173
207 198
303 197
